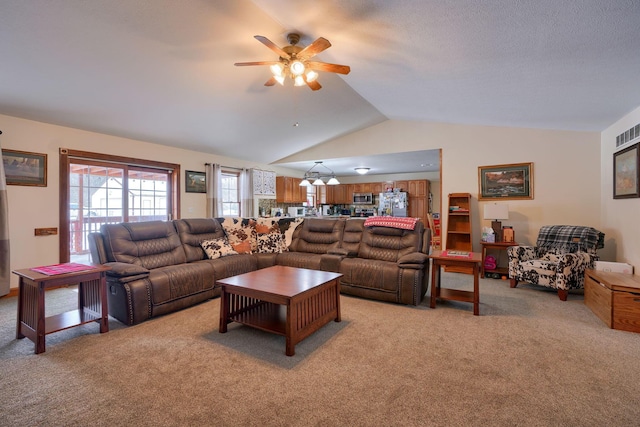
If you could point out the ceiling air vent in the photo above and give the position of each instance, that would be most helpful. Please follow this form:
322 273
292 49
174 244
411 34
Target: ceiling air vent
628 136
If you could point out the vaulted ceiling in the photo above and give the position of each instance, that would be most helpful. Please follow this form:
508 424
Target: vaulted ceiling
162 70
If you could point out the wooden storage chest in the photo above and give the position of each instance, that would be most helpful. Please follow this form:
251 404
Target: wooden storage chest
614 298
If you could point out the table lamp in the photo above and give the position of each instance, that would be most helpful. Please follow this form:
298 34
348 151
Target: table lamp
495 212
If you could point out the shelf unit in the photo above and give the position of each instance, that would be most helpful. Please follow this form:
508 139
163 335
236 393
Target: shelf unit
459 234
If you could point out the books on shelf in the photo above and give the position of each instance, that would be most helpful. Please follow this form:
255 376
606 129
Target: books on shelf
459 254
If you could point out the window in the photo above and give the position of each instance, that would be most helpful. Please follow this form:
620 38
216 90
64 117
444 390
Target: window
101 189
230 194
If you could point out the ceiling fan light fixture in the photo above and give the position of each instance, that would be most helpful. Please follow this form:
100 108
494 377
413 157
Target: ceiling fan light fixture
298 81
362 171
297 68
277 69
333 181
311 76
279 79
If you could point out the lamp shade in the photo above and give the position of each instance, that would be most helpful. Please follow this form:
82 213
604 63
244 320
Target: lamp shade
496 211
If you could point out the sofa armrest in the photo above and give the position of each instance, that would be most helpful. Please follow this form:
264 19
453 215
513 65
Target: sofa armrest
124 272
331 262
571 268
413 260
342 252
518 254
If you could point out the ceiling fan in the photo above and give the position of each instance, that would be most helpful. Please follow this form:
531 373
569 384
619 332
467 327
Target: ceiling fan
294 62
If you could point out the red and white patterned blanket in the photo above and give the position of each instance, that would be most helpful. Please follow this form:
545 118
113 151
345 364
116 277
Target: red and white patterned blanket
392 222
70 267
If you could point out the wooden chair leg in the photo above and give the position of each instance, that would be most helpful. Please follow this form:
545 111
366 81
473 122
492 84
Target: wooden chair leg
513 283
562 294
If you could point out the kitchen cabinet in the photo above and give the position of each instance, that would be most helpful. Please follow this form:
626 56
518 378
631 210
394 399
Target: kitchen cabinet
418 188
377 188
288 190
402 185
264 183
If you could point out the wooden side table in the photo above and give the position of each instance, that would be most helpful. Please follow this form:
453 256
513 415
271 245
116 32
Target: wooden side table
92 303
469 263
502 246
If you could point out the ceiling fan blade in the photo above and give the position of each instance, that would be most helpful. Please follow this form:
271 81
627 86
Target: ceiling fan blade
270 82
332 68
314 85
271 45
314 48
242 64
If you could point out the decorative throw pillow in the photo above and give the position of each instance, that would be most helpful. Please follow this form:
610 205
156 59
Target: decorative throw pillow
271 243
290 228
217 248
241 233
267 225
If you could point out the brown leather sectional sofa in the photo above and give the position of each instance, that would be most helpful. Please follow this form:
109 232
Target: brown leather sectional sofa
159 267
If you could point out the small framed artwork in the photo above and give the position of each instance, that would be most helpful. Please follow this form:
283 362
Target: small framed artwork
24 168
626 172
195 182
512 181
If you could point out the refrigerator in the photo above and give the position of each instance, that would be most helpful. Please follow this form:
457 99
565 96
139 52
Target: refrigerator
393 203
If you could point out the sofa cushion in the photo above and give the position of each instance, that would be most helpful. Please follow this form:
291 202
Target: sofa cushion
390 244
193 231
370 273
271 243
317 236
217 248
241 233
150 244
178 281
299 260
232 265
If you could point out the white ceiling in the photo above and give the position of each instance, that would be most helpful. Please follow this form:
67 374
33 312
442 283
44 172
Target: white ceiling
162 70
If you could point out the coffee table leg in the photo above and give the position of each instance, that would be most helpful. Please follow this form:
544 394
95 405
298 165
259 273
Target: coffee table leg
40 322
21 297
224 310
290 347
338 316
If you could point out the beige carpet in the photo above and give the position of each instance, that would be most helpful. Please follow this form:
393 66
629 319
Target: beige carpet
529 359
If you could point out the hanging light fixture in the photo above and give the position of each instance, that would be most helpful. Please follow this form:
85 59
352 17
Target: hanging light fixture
317 176
362 171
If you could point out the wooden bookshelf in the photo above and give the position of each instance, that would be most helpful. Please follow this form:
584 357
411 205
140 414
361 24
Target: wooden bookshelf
459 233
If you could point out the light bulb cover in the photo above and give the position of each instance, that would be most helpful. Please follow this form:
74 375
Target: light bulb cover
318 181
362 171
311 76
279 79
305 182
297 68
277 69
299 81
333 181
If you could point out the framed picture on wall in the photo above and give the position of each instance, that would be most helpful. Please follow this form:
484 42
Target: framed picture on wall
24 168
195 182
512 181
626 172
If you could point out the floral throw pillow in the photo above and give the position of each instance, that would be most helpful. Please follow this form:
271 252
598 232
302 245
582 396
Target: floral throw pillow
217 248
271 243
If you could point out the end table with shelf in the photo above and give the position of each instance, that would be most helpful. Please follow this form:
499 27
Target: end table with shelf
500 246
92 303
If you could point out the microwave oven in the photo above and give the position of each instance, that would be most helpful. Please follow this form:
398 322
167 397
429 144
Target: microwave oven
362 198
295 211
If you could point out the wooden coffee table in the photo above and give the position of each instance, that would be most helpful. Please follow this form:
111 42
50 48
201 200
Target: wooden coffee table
294 302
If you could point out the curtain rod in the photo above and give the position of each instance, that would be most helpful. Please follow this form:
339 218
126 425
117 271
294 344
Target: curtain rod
225 167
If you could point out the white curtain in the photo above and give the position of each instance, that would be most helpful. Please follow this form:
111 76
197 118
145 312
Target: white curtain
246 193
5 268
213 181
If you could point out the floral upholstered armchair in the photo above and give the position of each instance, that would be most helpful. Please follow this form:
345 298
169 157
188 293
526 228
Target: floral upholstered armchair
559 259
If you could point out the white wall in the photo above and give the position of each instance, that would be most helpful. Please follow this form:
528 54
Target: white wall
566 167
619 216
35 207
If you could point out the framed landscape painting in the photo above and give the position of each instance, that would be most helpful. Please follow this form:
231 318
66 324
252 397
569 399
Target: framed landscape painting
512 181
195 182
626 173
24 168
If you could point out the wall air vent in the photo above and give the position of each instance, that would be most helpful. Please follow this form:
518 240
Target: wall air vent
628 136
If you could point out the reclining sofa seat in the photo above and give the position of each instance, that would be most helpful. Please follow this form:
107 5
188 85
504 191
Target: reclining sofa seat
389 265
311 241
150 275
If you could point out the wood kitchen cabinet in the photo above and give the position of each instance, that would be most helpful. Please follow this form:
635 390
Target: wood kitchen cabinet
402 185
418 188
288 190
